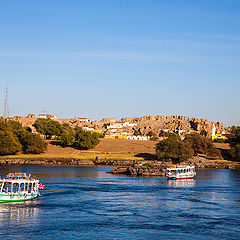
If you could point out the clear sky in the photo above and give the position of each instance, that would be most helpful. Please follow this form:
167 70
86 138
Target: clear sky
115 58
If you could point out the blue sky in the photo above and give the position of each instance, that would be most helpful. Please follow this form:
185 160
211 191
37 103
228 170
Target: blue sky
116 58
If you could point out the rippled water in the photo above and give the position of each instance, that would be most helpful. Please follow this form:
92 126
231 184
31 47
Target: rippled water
87 203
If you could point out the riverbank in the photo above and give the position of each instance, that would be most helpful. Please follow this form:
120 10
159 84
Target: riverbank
110 152
198 161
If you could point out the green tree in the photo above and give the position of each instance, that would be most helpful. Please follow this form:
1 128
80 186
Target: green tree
48 127
9 143
65 128
234 140
32 143
173 136
85 139
214 153
172 149
198 143
15 125
66 140
67 135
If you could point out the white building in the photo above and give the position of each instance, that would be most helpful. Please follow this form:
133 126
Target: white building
115 125
128 124
45 116
143 138
213 130
84 119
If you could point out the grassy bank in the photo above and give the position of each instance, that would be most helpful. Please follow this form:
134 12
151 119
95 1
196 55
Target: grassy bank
108 149
83 156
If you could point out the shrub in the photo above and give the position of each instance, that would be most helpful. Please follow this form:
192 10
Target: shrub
198 143
214 153
66 139
172 149
48 127
32 143
220 140
169 135
9 143
173 136
146 165
15 125
235 152
161 133
86 140
234 140
67 135
13 138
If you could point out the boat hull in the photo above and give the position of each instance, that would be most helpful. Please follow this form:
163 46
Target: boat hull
17 197
179 178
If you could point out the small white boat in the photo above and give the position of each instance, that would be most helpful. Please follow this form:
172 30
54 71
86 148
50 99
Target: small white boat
19 187
181 172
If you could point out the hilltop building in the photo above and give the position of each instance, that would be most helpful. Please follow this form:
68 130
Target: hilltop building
47 116
85 120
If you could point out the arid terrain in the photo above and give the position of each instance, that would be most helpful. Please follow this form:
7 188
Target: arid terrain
115 149
109 149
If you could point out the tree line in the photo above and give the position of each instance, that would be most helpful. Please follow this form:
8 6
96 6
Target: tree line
176 150
66 135
15 138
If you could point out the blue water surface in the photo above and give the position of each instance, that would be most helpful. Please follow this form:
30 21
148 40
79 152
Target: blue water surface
88 203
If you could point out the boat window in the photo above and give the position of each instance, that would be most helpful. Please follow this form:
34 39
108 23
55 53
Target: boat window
7 187
21 188
15 187
4 189
29 187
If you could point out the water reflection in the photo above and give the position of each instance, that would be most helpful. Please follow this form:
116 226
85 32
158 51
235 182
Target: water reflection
18 213
182 183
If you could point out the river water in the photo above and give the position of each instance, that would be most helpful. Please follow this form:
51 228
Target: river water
88 203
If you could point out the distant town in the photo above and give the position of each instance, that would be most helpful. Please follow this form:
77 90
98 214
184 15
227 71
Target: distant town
136 128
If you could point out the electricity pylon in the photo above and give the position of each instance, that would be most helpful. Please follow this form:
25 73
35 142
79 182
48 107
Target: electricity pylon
6 105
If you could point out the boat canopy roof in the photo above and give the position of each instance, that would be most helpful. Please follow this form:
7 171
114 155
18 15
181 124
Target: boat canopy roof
19 176
180 168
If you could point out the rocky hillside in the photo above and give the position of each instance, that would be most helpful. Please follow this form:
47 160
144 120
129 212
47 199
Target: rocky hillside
145 123
172 123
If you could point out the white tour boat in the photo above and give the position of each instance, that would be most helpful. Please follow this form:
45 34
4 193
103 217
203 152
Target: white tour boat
19 187
181 172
